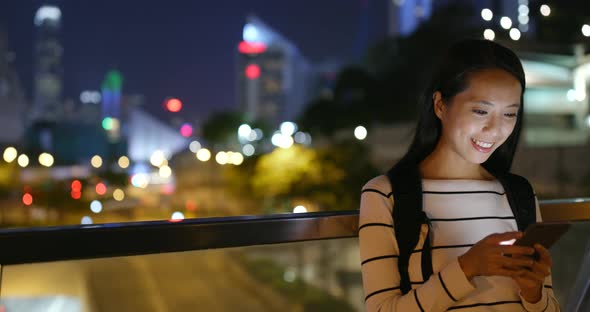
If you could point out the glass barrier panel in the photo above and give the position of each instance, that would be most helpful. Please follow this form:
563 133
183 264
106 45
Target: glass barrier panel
321 275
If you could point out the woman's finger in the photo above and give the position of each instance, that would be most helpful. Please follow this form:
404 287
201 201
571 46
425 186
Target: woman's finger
544 255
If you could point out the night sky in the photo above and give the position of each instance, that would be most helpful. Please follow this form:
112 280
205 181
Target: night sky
182 48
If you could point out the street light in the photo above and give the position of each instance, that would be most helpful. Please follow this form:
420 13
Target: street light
505 22
545 10
23 160
487 14
489 34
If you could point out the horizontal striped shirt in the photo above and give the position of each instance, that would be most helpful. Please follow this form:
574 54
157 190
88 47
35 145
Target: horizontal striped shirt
461 212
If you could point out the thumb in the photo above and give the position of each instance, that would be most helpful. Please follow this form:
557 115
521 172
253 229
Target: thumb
501 237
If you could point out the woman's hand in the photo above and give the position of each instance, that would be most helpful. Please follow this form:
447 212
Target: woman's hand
488 257
531 282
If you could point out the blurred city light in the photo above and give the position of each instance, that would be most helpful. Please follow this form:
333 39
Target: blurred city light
100 189
93 97
281 140
523 19
186 130
505 22
86 220
252 71
250 33
221 158
487 14
203 154
165 172
571 95
10 154
118 194
244 131
23 160
489 34
173 105
96 206
545 10
177 215
76 185
290 274
523 10
140 180
514 34
124 162
259 134
588 121
300 209
27 199
107 123
45 159
251 47
96 161
288 128
586 30
360 133
253 136
158 159
48 12
236 158
195 146
248 150
76 194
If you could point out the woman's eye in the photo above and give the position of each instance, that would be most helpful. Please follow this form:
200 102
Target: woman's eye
479 112
510 115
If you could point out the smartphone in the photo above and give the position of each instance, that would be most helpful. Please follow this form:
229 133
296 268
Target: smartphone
544 233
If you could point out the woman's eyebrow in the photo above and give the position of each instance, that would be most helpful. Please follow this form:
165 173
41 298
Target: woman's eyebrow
492 104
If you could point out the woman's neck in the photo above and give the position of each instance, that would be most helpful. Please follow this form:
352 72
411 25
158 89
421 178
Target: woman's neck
446 165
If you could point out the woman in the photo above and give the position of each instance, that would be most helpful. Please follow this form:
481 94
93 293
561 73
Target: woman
466 137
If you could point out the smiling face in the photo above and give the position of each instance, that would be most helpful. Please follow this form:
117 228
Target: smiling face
478 120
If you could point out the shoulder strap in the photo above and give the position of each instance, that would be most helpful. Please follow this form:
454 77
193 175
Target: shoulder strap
521 198
408 217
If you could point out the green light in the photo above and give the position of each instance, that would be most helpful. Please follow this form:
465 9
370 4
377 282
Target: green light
113 81
107 123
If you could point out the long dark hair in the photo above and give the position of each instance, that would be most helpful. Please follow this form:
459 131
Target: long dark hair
462 59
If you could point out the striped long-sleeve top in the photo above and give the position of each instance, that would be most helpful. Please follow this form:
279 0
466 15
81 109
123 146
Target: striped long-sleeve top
461 212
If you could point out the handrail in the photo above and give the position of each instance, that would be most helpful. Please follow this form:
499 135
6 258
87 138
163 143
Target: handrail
44 244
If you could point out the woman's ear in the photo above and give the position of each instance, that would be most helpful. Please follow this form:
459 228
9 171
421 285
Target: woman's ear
439 105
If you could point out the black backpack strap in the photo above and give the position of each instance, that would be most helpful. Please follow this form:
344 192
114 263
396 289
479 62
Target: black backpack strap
521 198
408 217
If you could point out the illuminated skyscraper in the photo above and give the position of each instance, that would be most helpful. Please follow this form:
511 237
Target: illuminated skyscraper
48 67
273 76
12 100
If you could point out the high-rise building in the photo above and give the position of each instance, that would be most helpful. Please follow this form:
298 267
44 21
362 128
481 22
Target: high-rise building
12 99
48 67
405 16
272 75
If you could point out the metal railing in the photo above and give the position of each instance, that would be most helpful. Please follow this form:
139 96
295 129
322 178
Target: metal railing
44 244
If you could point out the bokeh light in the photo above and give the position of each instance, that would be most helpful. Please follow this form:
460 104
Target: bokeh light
23 160
248 150
96 161
236 158
86 220
45 159
252 71
195 146
300 209
505 22
10 154
221 158
173 105
186 130
487 14
158 159
514 34
124 162
96 206
100 188
27 199
545 10
489 34
177 215
204 154
360 133
165 172
118 194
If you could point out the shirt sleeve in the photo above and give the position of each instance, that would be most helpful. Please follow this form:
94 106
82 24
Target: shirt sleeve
548 302
379 254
